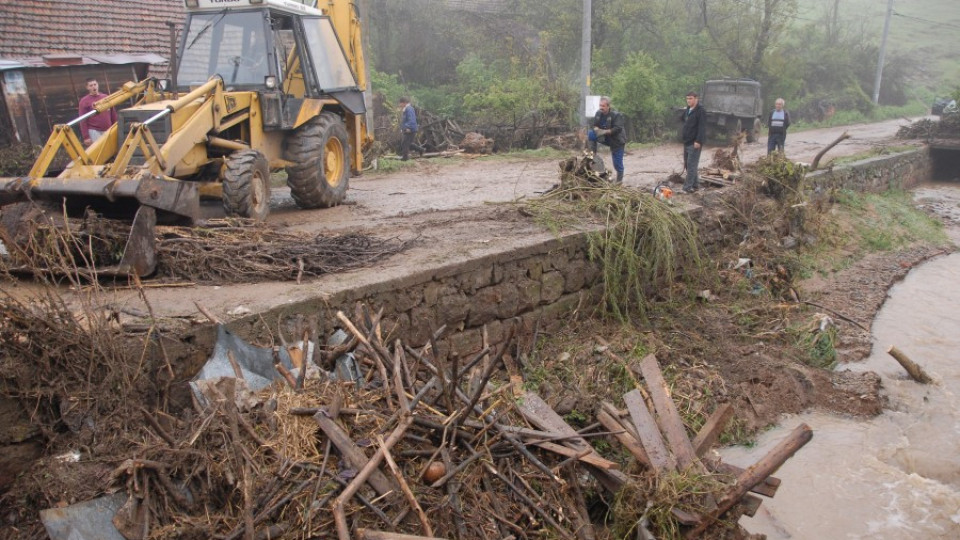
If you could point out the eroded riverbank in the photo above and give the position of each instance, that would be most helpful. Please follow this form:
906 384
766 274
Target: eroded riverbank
897 475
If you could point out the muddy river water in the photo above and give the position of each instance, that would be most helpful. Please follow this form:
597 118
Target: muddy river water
896 476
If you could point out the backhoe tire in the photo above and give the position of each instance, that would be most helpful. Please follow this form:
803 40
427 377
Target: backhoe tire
246 185
320 151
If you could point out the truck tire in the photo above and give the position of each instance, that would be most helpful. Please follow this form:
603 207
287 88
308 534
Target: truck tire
246 185
320 175
754 134
736 127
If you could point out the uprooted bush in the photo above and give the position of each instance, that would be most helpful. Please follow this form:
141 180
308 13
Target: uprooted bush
644 245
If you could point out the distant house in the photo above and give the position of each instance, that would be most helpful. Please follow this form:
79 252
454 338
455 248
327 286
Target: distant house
49 48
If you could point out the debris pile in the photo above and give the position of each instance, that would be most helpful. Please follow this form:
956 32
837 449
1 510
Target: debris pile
475 143
583 170
368 438
947 127
232 250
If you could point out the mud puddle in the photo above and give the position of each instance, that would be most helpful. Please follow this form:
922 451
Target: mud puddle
896 476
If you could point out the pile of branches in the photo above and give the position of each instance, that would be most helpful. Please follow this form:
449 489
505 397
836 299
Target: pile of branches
947 127
232 250
418 445
241 251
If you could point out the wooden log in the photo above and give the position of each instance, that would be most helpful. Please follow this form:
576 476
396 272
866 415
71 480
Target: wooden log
352 453
649 433
768 487
755 474
339 513
913 369
710 431
670 421
816 160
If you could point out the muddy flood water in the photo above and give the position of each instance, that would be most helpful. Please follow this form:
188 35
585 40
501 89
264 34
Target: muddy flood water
896 476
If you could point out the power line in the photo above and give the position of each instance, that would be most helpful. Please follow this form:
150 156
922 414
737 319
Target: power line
918 19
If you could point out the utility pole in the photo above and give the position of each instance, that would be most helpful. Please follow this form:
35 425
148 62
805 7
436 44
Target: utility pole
585 45
883 50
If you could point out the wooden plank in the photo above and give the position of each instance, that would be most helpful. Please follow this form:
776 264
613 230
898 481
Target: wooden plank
710 431
628 441
750 503
540 414
352 453
592 459
768 487
670 420
649 433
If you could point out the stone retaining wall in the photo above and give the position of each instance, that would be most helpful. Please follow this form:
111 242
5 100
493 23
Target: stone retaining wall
538 285
897 171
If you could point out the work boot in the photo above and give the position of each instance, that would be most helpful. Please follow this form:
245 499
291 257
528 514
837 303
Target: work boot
592 146
619 177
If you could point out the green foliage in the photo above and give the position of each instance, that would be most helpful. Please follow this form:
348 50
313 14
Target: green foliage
645 246
889 220
818 344
388 85
507 90
639 92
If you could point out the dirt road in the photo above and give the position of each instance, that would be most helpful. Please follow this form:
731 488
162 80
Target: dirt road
446 185
455 210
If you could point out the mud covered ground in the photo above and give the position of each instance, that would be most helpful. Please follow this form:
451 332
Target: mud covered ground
737 343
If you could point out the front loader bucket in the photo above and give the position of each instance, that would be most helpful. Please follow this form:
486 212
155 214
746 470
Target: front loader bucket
65 206
108 195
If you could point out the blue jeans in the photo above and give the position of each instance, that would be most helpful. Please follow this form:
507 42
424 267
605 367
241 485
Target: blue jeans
775 142
691 157
616 153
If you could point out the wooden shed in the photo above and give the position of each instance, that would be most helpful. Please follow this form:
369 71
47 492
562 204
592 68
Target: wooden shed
41 92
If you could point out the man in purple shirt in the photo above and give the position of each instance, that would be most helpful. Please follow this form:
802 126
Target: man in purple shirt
94 127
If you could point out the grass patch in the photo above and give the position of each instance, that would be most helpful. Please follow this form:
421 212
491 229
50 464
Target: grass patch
817 340
650 505
387 166
872 153
888 221
879 114
538 153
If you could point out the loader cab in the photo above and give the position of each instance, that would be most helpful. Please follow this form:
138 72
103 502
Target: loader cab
281 47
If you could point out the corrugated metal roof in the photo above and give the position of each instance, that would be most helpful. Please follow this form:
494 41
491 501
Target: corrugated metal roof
48 61
32 28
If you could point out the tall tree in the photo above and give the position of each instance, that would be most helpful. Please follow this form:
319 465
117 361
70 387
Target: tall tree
745 30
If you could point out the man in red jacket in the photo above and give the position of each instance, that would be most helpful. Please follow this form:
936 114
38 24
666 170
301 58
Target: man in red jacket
94 127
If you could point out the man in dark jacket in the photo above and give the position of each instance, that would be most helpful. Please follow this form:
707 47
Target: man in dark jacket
609 128
408 128
778 122
694 134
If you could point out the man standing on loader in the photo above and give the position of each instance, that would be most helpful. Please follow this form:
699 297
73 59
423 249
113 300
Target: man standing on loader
609 129
94 127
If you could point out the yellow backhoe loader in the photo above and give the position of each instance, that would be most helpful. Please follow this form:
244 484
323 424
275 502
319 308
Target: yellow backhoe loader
259 85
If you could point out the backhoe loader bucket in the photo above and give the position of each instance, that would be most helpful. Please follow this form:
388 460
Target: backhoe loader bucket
113 198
